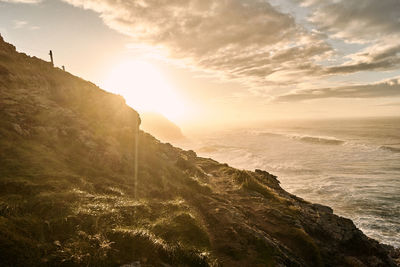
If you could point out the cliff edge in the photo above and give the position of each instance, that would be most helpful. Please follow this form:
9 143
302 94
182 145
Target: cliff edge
66 190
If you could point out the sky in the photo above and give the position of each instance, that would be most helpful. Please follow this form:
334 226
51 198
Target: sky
223 62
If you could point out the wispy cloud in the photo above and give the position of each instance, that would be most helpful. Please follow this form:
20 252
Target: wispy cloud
356 20
245 40
22 1
375 24
383 89
390 104
18 24
254 42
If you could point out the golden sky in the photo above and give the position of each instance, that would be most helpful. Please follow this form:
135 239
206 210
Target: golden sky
213 62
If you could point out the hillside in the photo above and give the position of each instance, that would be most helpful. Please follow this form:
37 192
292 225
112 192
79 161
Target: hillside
160 127
67 190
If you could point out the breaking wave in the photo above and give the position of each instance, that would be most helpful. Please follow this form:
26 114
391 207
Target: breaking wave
322 140
391 148
353 167
319 140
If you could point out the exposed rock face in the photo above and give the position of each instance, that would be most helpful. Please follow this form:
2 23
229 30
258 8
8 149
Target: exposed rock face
66 191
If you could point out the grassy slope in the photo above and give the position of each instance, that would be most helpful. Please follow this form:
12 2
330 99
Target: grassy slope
66 190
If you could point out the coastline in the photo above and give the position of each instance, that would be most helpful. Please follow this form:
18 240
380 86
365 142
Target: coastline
67 190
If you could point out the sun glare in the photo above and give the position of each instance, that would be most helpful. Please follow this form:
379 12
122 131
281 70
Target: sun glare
145 88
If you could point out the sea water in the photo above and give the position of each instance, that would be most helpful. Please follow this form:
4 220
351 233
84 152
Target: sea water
350 165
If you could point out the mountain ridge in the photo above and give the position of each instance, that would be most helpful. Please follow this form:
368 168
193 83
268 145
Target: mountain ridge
66 183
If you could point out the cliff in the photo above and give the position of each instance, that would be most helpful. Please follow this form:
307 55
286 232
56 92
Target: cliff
161 128
66 190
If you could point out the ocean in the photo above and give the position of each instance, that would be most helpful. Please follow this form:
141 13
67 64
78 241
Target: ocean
351 165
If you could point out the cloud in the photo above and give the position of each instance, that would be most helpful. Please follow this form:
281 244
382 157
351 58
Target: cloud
247 40
391 104
23 24
388 88
22 1
377 57
375 24
18 24
356 20
253 42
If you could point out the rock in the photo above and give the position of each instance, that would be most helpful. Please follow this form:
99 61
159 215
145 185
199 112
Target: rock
322 208
77 174
133 264
19 130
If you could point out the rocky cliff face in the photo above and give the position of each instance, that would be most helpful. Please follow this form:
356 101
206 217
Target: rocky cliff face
66 190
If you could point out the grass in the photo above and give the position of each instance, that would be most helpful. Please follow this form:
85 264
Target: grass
66 185
249 182
77 227
302 244
182 228
66 189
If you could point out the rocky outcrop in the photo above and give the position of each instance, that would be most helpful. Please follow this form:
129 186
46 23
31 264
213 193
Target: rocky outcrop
68 195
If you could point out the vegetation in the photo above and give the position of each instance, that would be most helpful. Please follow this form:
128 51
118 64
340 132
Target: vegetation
67 190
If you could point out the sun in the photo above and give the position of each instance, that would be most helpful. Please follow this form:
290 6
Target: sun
145 88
